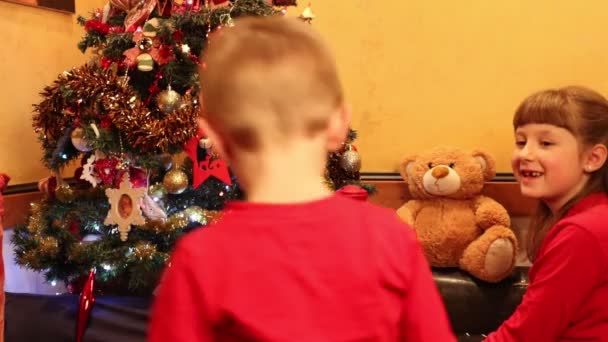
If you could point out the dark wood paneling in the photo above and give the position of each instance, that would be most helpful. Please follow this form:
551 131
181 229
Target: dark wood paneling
393 194
390 194
16 207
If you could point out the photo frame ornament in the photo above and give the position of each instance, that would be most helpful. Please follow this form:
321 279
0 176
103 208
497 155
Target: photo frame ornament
125 207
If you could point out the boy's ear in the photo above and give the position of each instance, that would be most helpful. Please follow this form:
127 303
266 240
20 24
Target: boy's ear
216 138
337 128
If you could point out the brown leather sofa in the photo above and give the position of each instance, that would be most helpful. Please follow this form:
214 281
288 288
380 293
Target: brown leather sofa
475 307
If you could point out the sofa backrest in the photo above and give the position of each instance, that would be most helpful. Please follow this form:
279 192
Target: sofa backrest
476 307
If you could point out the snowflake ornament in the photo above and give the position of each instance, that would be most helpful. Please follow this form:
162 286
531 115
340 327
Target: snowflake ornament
125 208
88 171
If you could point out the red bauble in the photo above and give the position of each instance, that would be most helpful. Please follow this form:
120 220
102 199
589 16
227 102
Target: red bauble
106 170
354 192
106 122
177 35
85 305
138 177
74 228
97 26
217 2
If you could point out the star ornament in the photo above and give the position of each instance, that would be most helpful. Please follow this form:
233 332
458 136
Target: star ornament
125 207
204 165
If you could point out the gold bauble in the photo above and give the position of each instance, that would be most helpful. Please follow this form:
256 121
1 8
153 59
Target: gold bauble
351 161
175 181
205 143
157 191
168 100
145 44
79 141
65 193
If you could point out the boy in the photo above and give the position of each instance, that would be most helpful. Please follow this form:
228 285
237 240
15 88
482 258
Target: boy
293 262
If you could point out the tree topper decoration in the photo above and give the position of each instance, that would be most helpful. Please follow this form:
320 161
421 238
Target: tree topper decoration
125 207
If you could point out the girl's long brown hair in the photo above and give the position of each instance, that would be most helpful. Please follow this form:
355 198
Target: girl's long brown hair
584 113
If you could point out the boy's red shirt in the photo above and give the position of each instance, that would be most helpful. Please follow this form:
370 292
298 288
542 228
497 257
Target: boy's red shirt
335 269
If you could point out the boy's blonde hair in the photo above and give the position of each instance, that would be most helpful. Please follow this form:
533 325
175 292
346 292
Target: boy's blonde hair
267 80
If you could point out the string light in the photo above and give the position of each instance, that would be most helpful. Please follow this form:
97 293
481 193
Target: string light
195 217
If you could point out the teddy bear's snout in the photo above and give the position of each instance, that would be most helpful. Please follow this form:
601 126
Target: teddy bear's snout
440 171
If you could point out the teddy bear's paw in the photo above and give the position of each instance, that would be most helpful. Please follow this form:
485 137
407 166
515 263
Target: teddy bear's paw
492 256
499 258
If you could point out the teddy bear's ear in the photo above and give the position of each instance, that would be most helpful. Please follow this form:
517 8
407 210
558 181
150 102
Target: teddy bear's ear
405 167
487 164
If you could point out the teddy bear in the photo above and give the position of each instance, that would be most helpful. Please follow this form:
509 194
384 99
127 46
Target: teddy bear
455 224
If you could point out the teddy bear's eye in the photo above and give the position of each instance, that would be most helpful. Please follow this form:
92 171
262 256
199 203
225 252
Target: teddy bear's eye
451 165
430 165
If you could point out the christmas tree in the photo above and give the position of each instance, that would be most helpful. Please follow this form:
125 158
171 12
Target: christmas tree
148 175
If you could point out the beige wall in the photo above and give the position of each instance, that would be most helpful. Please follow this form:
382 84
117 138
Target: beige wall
418 73
425 73
37 45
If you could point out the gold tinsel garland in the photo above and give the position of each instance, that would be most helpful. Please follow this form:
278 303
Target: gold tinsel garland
151 131
30 259
48 246
36 222
144 250
101 92
182 219
77 252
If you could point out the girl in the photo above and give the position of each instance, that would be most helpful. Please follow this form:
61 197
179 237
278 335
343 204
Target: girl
560 158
